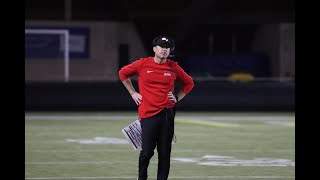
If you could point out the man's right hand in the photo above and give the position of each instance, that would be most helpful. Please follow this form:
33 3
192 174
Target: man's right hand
136 97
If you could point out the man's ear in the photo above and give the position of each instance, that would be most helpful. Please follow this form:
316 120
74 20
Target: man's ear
154 48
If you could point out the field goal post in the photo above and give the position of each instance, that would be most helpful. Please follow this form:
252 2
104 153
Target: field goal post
63 32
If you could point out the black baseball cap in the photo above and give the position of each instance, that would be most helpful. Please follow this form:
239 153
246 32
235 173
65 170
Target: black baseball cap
162 41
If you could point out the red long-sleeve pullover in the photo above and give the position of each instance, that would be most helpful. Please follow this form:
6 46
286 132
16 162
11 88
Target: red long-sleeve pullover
155 81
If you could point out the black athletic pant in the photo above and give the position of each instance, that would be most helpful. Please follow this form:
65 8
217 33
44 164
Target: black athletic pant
157 131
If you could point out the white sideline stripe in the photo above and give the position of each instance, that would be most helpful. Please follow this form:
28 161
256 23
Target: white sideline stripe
208 117
172 177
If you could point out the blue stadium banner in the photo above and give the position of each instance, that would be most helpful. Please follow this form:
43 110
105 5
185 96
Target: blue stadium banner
51 46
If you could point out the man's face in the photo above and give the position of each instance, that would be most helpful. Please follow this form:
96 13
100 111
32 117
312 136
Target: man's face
162 51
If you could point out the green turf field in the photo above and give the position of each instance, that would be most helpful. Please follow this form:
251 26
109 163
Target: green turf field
90 145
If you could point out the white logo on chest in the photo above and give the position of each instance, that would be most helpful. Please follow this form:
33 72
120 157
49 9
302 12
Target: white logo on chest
166 74
149 71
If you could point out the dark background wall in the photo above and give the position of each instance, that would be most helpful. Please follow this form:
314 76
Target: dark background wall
206 96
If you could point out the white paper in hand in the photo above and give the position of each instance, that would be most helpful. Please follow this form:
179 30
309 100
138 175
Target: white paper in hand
133 134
